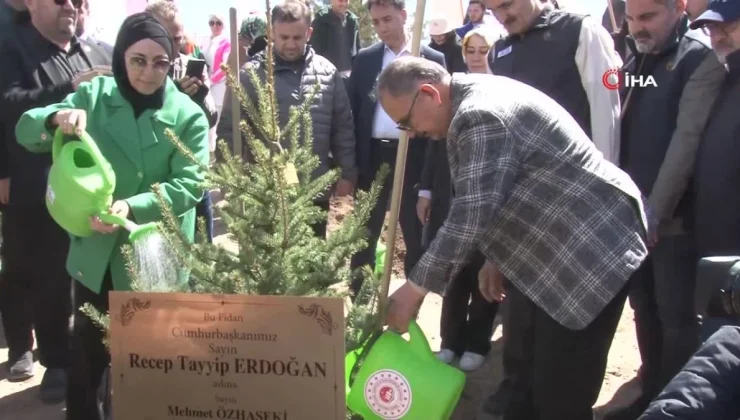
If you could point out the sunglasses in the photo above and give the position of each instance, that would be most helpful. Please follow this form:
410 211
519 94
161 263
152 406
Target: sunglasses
75 3
211 23
160 66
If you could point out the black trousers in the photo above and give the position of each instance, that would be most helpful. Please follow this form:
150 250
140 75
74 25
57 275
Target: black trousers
89 357
467 317
35 289
385 152
662 294
552 352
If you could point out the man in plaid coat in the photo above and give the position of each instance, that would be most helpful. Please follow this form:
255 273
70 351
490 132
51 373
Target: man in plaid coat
562 224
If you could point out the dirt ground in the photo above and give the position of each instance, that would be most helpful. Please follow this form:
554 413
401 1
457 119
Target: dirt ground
18 400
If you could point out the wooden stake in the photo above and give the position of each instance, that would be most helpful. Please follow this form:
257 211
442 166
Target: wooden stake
403 142
612 16
236 107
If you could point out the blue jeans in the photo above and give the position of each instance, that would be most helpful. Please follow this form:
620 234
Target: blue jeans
662 296
204 209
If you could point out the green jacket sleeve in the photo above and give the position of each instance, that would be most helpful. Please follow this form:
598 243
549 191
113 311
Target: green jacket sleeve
183 189
33 131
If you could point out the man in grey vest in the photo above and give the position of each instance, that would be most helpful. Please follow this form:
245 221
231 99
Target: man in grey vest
674 78
565 56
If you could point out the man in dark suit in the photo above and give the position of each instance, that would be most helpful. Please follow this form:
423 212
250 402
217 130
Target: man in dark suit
44 62
377 135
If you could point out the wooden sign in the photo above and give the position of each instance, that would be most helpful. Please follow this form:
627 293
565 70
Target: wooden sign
194 356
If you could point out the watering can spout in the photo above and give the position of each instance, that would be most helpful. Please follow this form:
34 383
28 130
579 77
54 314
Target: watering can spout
135 231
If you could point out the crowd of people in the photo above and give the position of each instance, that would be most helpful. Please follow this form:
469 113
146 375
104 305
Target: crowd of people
532 190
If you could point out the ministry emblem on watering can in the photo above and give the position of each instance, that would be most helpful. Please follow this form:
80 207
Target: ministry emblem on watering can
81 183
392 378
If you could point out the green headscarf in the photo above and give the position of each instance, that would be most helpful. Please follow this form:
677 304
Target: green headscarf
253 26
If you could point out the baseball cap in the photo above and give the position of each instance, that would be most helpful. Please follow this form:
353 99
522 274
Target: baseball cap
720 11
439 26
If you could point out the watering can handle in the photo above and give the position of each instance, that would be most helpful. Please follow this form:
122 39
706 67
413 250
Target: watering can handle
56 150
418 342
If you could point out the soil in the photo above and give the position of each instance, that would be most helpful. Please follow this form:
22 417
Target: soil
18 401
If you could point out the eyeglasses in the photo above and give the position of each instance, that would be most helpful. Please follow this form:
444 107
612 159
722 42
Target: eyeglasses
140 64
75 3
404 124
211 23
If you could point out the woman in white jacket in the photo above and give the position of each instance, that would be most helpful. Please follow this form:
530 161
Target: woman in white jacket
216 52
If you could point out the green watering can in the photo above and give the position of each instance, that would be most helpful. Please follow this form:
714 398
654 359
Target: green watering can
399 379
81 184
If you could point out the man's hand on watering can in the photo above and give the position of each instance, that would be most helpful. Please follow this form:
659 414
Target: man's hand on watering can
491 283
119 208
71 121
403 306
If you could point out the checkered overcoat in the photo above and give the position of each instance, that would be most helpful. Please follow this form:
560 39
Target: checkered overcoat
564 225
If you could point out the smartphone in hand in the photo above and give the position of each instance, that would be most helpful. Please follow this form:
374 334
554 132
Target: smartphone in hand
195 68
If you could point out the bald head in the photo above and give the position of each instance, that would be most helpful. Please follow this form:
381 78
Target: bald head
414 92
404 76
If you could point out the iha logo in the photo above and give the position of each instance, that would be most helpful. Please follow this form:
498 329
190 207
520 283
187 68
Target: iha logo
613 79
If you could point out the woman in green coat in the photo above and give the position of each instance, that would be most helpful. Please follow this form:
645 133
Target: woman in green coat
127 115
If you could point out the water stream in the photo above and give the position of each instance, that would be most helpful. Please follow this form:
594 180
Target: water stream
155 263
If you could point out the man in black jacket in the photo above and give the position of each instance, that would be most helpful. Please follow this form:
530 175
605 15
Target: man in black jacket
662 123
717 176
44 63
296 66
377 135
336 35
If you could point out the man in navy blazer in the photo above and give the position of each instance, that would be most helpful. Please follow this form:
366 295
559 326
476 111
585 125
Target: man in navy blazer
377 134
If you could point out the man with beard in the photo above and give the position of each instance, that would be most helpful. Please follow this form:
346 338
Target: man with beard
476 16
565 56
44 62
661 131
298 66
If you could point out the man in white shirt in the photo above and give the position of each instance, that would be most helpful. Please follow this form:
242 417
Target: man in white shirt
565 56
377 134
